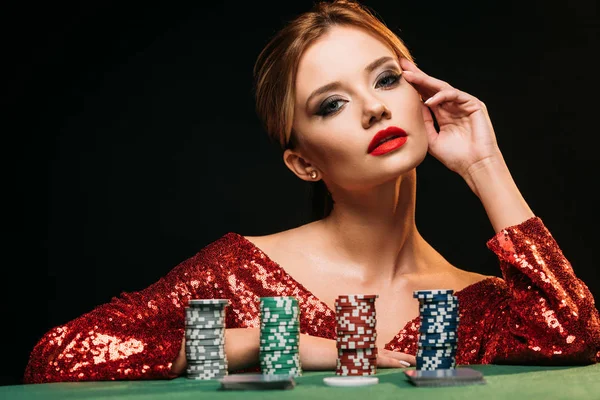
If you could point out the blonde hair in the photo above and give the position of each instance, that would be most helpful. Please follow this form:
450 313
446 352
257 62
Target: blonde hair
276 66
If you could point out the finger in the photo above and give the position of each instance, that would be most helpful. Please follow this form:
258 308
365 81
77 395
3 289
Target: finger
412 360
430 130
391 362
426 85
453 95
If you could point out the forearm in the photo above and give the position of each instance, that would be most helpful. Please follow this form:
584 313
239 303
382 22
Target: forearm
492 182
242 349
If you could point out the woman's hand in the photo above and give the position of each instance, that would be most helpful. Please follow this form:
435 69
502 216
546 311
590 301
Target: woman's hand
466 138
394 359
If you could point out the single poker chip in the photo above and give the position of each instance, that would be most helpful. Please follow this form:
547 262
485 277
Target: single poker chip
268 329
360 338
356 321
208 331
359 352
196 357
212 368
359 361
207 342
268 348
451 352
354 373
355 314
352 346
366 308
204 348
444 335
363 361
359 330
434 313
189 338
202 330
440 319
289 359
350 381
208 301
207 364
445 305
279 335
441 329
200 311
356 317
417 293
357 336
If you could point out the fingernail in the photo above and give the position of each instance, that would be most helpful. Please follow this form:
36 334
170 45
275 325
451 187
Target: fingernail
428 100
404 363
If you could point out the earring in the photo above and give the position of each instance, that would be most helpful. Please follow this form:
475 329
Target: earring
313 174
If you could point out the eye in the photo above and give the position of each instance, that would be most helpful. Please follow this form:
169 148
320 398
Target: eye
329 107
389 79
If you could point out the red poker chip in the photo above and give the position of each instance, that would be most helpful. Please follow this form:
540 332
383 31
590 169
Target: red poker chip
358 335
362 368
352 313
371 323
360 308
355 343
355 338
353 346
360 353
358 296
354 331
365 306
371 360
352 318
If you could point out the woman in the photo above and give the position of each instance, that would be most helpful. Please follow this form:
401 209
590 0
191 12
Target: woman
339 92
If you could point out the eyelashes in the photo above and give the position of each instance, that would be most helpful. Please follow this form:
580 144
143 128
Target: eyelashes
326 107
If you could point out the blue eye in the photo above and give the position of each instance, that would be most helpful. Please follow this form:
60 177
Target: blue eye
394 77
328 107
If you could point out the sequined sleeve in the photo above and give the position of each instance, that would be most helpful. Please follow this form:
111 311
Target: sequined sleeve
548 315
135 336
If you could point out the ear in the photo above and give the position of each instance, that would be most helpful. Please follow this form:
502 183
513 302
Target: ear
298 165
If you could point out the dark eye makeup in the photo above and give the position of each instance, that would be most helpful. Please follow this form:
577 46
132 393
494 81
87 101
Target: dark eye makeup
387 80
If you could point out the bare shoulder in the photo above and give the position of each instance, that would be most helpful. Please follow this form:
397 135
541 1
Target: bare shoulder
288 241
468 278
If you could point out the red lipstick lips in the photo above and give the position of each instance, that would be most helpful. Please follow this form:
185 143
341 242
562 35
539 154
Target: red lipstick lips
387 140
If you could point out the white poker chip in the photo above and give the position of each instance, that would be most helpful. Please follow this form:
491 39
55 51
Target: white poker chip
350 381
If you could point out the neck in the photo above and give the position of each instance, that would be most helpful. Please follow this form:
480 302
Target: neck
376 231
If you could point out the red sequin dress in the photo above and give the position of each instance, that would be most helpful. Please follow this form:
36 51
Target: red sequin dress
540 313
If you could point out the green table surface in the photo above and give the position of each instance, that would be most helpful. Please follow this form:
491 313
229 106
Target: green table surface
502 382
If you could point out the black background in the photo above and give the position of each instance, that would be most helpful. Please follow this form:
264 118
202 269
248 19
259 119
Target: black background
130 139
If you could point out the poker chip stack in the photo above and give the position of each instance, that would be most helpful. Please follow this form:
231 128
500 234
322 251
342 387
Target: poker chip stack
356 334
438 334
205 338
279 336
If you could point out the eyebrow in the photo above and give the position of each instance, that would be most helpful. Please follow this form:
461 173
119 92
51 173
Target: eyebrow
334 85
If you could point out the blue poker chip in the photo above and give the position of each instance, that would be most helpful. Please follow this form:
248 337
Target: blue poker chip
438 313
430 292
438 329
439 324
440 319
437 298
439 362
444 335
450 304
437 347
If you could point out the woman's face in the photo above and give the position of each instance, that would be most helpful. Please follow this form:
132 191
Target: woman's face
335 127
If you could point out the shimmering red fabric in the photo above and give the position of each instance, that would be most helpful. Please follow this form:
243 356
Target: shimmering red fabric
540 313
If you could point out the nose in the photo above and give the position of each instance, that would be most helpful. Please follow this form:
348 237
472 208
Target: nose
375 111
